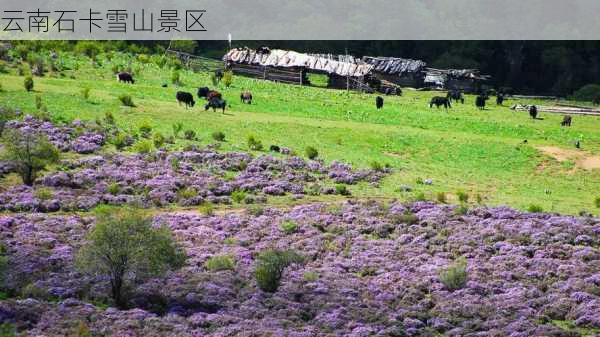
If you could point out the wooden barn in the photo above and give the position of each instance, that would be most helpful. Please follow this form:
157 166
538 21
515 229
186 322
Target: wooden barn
467 80
400 71
293 67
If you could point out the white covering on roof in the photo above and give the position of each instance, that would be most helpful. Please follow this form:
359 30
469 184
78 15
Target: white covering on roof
395 65
435 79
287 59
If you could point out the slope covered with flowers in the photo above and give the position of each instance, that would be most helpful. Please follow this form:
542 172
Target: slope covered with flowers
370 269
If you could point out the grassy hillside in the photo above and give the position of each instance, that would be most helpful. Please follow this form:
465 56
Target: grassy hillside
480 152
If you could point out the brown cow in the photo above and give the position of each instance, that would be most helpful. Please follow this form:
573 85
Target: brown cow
246 97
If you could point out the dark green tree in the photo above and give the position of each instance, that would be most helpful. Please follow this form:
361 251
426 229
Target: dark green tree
125 247
29 152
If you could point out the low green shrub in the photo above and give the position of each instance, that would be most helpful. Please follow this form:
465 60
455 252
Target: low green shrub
28 83
313 190
342 189
289 227
126 100
461 210
406 218
219 263
206 208
109 118
462 196
44 193
187 193
8 330
143 146
218 136
420 196
256 210
158 139
238 196
145 129
121 140
254 144
533 208
228 78
310 276
177 128
270 267
113 188
189 135
455 276
377 166
311 153
35 292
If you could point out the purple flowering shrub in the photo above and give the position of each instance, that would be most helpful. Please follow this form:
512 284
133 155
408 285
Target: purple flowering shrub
186 178
367 271
65 138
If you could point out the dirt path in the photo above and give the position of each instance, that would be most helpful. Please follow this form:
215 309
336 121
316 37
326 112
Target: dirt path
582 159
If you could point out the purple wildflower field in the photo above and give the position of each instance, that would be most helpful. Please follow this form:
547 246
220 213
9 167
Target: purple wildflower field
187 178
368 271
370 268
76 137
184 178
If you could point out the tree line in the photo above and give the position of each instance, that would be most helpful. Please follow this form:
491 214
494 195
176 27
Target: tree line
529 67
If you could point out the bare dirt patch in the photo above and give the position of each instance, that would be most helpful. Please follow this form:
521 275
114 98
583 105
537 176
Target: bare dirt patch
581 159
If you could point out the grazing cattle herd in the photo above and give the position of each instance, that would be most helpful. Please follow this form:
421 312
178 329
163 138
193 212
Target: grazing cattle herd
246 97
125 77
480 101
186 98
533 111
456 96
439 101
379 102
215 99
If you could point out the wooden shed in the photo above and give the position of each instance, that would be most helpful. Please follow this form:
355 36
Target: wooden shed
400 71
466 80
293 67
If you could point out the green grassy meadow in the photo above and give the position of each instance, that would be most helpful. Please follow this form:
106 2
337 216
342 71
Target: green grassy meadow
463 149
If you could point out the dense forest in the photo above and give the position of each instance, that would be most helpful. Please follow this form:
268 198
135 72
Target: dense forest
529 67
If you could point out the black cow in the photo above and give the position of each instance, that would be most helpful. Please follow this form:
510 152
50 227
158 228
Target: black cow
186 98
439 101
379 102
125 77
219 75
216 103
274 148
455 95
480 101
566 121
499 99
203 92
533 111
246 97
